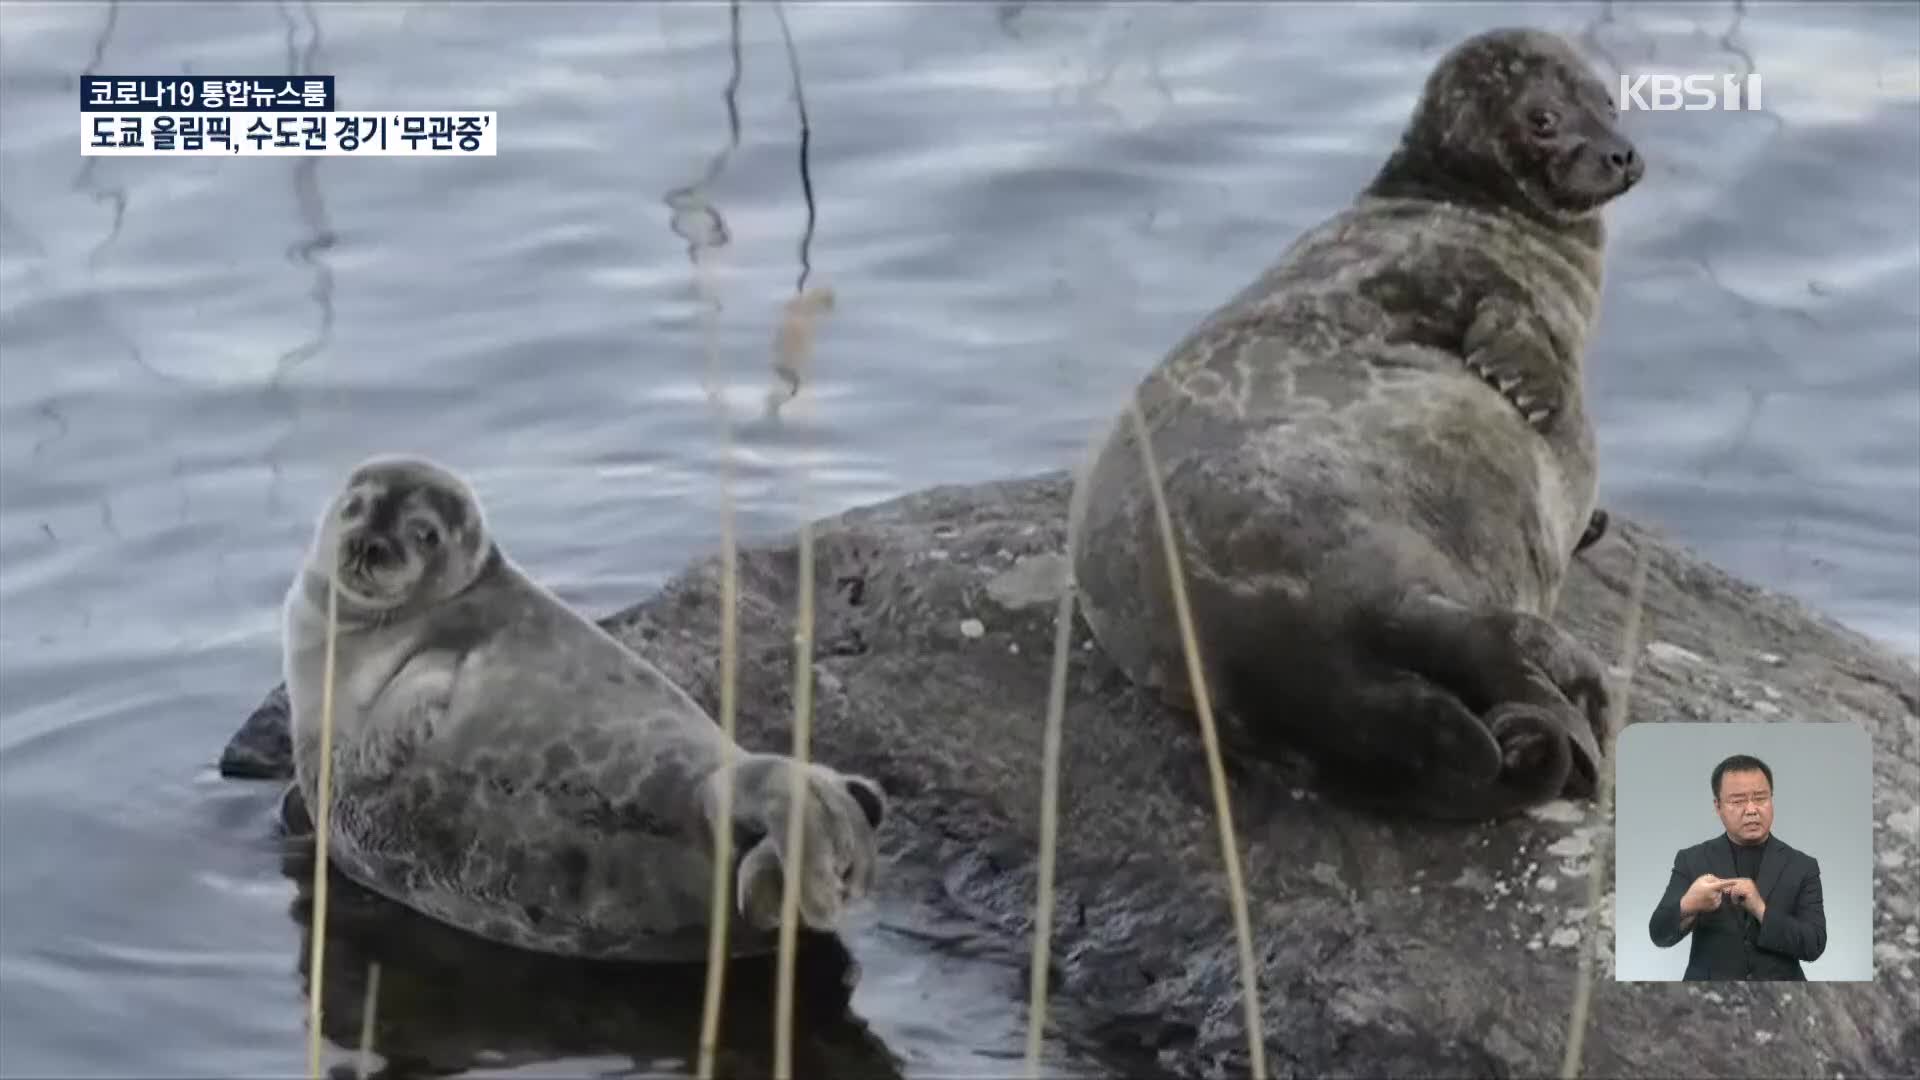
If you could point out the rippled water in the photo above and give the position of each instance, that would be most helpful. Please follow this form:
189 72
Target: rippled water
1018 208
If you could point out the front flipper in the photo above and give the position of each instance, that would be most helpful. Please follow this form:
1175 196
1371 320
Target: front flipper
291 814
839 846
1596 528
1511 351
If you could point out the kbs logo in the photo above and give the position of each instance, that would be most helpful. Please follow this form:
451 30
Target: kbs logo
1663 93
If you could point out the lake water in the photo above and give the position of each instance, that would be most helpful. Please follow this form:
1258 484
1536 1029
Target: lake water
1017 206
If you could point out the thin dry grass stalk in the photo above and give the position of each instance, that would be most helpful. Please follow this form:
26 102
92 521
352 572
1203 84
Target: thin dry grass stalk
719 915
796 337
1050 793
1203 705
1616 719
366 1019
1049 830
322 816
796 814
793 346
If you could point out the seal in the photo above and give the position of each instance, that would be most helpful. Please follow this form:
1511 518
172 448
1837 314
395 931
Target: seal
502 764
1379 465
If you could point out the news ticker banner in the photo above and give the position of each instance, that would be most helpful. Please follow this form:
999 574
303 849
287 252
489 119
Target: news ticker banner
263 115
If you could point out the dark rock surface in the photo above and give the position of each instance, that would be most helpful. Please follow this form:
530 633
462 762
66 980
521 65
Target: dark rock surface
1385 947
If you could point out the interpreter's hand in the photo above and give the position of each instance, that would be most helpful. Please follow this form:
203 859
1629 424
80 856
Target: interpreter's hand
1703 895
1744 892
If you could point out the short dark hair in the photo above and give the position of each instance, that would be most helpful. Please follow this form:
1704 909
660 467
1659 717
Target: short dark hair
1739 763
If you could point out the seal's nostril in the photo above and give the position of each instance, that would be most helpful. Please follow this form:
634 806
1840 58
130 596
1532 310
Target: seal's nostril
370 550
379 552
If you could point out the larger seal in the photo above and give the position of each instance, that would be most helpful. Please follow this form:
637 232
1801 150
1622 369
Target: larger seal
1378 462
502 764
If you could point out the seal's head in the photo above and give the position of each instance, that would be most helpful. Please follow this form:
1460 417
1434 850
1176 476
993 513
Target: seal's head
1515 117
402 531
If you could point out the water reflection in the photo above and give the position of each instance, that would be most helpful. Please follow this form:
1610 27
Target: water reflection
449 1002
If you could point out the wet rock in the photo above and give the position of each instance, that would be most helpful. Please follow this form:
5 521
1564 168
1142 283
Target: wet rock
262 748
1360 972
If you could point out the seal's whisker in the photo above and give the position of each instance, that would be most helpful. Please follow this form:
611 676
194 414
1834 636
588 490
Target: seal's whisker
1616 720
1209 734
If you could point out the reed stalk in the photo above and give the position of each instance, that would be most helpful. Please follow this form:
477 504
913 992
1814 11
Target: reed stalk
793 345
322 815
1039 969
720 915
796 814
1209 734
1582 1006
366 1019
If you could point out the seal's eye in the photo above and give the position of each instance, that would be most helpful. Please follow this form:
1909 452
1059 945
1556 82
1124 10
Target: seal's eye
1544 121
425 536
355 504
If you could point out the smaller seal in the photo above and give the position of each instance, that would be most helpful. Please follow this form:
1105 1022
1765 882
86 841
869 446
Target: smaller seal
507 767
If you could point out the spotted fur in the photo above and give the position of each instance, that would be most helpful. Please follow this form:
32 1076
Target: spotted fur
504 765
1379 461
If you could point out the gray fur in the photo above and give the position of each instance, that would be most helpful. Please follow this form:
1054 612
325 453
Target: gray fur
503 764
1379 462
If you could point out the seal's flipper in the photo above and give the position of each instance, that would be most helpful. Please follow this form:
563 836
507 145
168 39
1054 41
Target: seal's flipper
1596 528
1573 675
839 849
1409 746
295 823
1512 350
1536 757
1503 657
1581 779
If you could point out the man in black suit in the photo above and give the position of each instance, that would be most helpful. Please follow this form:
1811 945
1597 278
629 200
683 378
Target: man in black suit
1752 903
